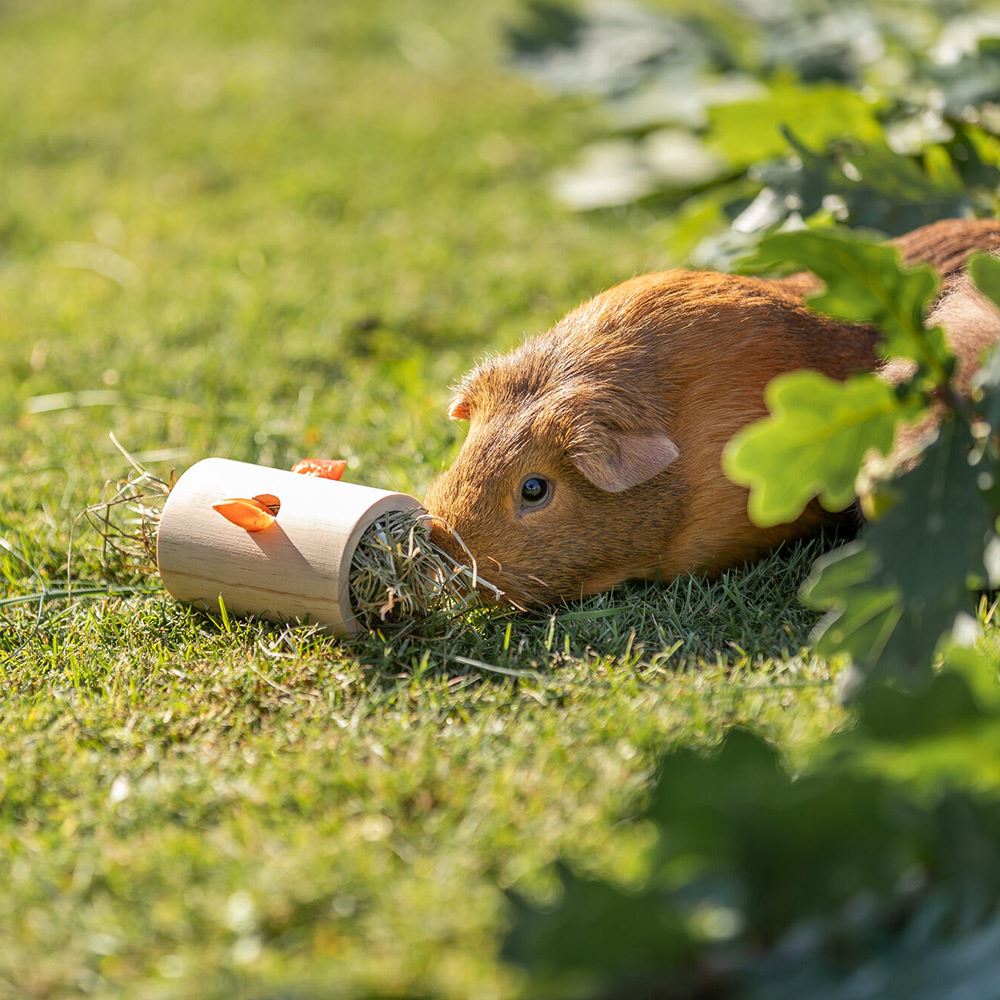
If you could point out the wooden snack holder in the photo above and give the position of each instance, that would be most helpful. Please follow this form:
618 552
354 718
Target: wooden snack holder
298 568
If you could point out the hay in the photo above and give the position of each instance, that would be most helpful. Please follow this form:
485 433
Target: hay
128 519
397 573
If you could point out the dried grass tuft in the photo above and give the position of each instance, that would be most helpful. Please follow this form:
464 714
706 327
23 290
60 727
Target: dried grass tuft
127 521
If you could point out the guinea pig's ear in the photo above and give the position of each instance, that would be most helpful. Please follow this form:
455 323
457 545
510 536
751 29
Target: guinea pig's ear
459 408
618 460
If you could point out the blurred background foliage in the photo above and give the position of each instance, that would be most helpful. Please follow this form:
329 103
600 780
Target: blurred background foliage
743 117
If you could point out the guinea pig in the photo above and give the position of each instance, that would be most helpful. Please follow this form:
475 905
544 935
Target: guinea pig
594 450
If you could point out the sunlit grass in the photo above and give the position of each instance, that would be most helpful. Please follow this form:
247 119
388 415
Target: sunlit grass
267 231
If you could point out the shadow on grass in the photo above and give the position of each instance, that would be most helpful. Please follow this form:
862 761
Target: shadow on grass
740 619
745 615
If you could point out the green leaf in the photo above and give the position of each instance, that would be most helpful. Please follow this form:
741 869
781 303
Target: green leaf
596 930
986 388
747 131
545 26
608 49
951 963
941 734
789 847
892 595
870 871
985 271
822 41
981 671
867 283
947 705
872 186
618 172
813 443
863 611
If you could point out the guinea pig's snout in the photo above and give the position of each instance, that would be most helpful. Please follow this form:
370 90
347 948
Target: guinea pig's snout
442 505
443 536
457 528
446 536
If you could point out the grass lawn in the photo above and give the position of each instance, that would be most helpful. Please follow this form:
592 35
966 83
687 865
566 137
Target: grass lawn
265 231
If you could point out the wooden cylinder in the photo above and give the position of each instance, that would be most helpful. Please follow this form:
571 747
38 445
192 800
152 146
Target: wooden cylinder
298 568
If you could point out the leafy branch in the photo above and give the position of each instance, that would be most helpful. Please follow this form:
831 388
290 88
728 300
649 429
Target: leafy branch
891 595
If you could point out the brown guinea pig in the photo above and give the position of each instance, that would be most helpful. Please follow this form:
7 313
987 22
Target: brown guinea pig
594 450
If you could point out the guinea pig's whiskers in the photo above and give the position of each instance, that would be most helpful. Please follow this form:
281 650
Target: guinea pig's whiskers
465 548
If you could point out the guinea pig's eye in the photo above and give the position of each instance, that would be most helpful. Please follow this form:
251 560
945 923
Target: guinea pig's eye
535 492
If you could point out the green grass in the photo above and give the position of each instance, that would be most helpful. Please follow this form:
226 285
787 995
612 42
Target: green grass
264 231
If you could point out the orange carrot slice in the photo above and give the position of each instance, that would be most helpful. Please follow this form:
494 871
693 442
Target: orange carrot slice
269 502
324 468
251 515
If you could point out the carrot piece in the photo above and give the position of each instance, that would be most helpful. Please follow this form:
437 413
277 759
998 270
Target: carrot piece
269 502
324 468
251 515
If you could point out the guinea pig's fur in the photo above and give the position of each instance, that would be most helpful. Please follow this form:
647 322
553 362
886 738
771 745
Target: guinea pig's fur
625 405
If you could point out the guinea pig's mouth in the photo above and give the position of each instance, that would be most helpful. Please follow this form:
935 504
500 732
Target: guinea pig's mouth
448 541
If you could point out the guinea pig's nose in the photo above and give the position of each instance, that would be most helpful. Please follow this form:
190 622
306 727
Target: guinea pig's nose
443 536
